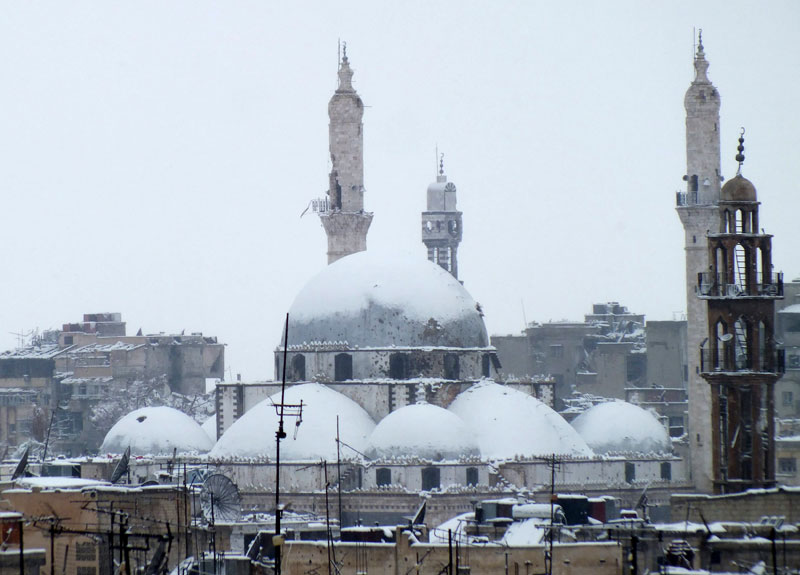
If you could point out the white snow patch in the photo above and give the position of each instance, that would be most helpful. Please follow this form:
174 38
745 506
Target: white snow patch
621 427
59 482
156 431
424 430
352 284
210 427
526 533
508 423
253 435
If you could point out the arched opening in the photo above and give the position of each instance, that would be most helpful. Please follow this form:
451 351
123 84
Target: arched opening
343 367
726 221
739 227
741 347
764 351
739 269
430 478
486 365
299 367
720 265
722 346
693 184
398 366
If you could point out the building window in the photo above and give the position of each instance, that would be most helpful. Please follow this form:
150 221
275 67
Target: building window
68 339
472 476
793 361
299 367
86 570
787 398
486 365
398 366
451 366
85 552
430 478
666 471
383 476
675 425
343 367
787 465
556 351
630 472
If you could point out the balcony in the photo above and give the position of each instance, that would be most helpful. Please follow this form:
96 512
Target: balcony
685 199
726 361
711 285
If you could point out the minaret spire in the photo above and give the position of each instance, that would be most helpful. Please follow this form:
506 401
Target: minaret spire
344 219
441 222
698 209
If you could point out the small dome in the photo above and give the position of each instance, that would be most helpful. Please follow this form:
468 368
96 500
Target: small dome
375 299
507 423
253 434
422 430
621 427
156 431
738 189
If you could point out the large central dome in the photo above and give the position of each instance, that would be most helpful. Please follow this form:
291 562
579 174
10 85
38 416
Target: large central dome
371 299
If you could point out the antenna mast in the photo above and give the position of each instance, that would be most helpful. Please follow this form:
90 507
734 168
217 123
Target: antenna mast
294 410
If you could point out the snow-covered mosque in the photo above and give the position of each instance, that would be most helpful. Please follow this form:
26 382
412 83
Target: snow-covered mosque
390 359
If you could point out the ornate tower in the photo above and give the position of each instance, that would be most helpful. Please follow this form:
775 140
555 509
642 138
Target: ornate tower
698 211
441 223
740 360
343 216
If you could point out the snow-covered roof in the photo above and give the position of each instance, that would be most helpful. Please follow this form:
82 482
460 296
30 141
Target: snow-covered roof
621 427
507 423
374 298
156 431
59 482
794 308
422 430
253 435
44 351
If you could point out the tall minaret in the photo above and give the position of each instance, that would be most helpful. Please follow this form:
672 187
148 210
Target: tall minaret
441 223
345 221
699 213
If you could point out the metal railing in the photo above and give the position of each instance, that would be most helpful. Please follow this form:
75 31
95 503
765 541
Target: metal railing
685 198
727 360
711 284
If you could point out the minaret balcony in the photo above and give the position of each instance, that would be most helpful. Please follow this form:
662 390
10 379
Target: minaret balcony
713 285
685 199
725 360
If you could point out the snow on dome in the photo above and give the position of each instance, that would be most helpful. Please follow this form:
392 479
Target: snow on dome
422 430
619 426
253 434
375 299
210 427
156 431
508 422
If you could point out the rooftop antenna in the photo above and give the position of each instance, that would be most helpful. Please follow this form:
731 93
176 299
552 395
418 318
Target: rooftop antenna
21 336
282 409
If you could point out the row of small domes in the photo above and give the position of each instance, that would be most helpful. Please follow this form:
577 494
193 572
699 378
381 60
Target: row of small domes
487 420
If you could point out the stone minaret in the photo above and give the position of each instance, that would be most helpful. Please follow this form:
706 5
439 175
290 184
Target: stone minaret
698 210
345 221
740 360
441 223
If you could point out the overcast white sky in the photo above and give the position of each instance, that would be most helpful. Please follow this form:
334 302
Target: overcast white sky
155 156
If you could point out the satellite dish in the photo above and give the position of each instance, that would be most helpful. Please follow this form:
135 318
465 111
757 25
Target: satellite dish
725 338
122 466
219 499
23 463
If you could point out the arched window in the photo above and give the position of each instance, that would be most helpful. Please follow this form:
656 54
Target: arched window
343 367
383 476
299 367
430 478
693 184
486 364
